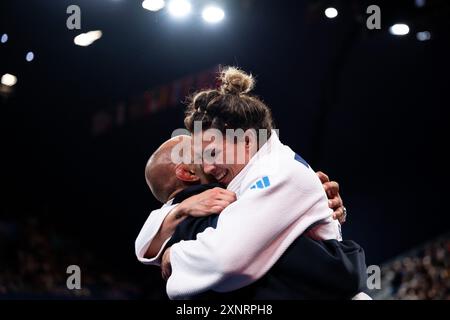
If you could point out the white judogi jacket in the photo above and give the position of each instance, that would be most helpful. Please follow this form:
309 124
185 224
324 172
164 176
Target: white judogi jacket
278 197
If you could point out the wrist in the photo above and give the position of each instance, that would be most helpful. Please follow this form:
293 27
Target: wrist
174 217
180 212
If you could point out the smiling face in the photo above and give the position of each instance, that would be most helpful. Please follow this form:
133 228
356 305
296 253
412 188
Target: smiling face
224 158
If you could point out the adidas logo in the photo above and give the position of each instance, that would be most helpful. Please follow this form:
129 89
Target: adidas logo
261 183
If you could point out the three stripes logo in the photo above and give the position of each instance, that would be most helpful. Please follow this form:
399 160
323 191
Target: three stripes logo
262 183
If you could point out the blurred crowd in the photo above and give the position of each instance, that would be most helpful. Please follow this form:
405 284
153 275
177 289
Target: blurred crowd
34 260
422 274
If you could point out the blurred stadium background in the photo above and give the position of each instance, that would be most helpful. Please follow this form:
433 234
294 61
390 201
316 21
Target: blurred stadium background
79 119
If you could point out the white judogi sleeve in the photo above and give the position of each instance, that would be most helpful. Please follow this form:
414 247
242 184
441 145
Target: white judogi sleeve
148 232
252 233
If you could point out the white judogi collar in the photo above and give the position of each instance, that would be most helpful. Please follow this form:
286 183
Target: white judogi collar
266 148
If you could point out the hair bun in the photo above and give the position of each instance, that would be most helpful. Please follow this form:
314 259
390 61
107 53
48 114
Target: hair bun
235 81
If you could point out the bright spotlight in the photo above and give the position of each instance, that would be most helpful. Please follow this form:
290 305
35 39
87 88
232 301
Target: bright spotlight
30 56
423 35
179 8
86 39
9 80
331 13
399 29
153 5
4 38
213 14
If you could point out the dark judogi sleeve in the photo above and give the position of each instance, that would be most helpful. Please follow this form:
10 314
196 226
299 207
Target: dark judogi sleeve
190 227
315 270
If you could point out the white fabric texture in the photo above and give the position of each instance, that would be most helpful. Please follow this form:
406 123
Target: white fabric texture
362 296
253 232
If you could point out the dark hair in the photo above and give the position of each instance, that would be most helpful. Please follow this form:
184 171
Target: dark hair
230 106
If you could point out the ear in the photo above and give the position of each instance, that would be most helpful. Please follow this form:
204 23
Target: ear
251 141
247 142
185 173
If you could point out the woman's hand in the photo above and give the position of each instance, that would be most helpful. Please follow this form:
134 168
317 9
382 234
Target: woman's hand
334 199
211 201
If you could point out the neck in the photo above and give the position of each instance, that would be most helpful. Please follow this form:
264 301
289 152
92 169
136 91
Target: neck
174 193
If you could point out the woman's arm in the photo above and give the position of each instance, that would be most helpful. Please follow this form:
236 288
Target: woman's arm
168 226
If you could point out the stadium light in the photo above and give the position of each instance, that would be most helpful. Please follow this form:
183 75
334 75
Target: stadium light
30 56
331 13
86 39
153 5
423 35
179 8
4 38
399 29
213 14
9 80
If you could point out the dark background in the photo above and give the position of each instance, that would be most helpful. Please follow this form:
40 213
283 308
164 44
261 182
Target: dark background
364 106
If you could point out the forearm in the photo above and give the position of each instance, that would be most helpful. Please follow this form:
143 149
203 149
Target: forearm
172 220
